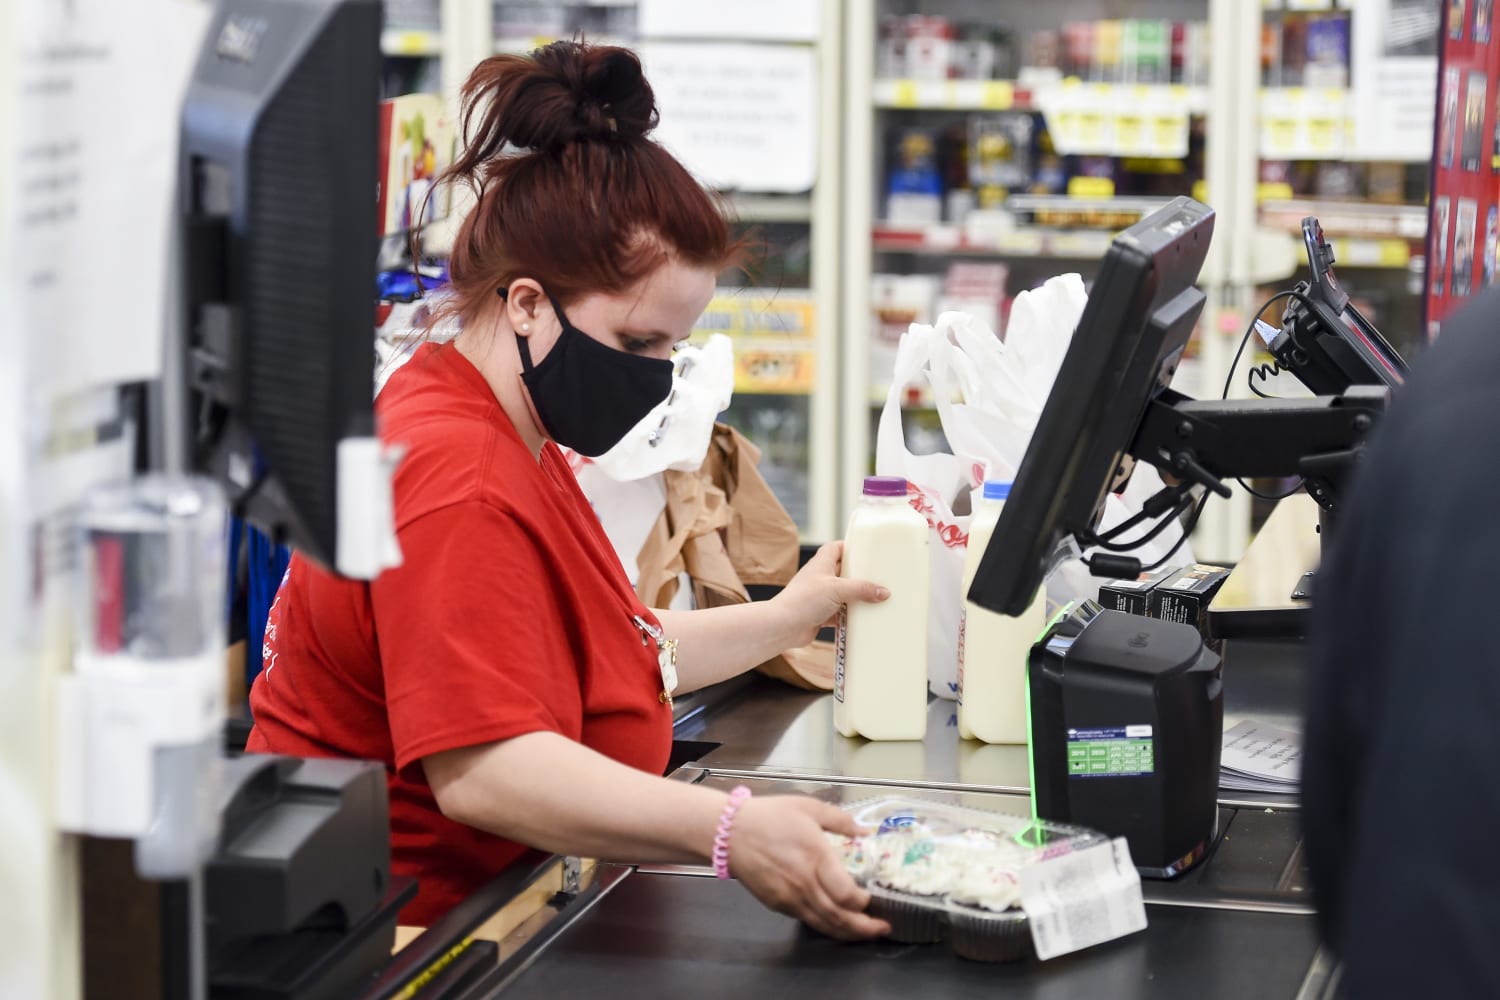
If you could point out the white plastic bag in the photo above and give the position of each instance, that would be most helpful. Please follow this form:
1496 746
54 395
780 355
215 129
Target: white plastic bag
989 395
625 485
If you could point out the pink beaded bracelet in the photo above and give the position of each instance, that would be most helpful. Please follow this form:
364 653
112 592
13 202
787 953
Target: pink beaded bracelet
726 824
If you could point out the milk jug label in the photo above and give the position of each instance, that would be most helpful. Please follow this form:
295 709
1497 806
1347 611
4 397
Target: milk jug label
963 627
838 657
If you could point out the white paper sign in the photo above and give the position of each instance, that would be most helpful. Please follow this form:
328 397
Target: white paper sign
1082 899
1394 82
100 90
740 117
765 20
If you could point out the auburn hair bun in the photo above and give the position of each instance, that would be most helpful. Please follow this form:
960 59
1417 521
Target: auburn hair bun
569 187
566 92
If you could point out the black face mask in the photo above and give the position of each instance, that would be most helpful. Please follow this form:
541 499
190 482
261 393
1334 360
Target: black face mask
587 395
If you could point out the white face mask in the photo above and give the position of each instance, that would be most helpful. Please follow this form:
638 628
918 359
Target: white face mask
675 434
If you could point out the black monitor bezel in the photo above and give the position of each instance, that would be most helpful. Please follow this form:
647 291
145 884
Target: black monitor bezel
1116 362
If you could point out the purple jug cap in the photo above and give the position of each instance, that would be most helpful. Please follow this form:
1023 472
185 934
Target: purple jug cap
885 486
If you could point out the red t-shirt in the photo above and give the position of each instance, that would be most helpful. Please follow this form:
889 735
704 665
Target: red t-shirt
510 614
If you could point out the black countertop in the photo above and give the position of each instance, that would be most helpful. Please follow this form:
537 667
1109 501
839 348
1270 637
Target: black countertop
656 935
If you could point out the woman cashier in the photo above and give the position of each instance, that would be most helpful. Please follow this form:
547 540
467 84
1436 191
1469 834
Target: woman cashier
506 674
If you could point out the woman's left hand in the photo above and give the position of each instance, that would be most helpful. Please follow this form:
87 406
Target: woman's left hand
817 593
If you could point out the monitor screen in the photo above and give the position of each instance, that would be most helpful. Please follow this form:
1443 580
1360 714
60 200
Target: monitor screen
1140 314
1327 343
279 137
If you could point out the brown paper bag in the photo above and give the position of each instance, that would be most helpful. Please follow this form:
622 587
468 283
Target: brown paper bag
724 527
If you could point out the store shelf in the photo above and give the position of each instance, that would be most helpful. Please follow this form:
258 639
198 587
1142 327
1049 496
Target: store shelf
525 45
946 240
1083 118
771 207
1306 123
952 95
1348 218
1362 253
1005 95
1043 203
411 42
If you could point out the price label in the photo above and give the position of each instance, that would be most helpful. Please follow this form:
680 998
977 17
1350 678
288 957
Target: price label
1130 135
904 94
1169 134
1091 188
1020 242
1278 138
410 43
1273 191
997 95
1091 131
773 371
932 93
1325 135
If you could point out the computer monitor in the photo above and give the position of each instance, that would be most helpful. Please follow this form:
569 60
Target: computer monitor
278 148
1324 340
1133 332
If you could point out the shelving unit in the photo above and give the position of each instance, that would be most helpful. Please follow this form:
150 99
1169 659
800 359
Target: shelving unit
1034 236
1317 154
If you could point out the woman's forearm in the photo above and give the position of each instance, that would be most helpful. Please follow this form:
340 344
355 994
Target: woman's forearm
547 792
715 644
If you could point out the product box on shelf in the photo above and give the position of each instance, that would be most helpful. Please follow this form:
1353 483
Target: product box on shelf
1132 595
1186 596
996 888
914 190
1327 52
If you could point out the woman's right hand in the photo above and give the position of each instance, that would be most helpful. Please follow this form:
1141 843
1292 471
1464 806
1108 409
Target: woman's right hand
779 851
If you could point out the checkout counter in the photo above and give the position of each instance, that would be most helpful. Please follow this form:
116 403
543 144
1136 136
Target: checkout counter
1239 925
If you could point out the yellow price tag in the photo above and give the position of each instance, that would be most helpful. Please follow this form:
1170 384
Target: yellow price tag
1273 191
905 95
771 371
1394 253
1067 128
1169 134
1323 134
1091 188
1130 133
413 43
1200 191
1090 131
997 95
1281 137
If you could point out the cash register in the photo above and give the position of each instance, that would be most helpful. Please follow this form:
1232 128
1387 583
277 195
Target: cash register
1126 712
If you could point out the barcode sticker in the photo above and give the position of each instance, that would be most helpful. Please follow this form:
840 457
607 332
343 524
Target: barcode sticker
1082 899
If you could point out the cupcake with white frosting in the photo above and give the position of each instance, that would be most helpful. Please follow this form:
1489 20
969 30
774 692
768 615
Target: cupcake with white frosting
985 919
912 875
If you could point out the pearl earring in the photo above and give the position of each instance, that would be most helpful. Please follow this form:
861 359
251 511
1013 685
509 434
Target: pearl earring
525 327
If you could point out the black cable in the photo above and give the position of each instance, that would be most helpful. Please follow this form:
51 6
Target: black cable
1266 372
1173 494
1268 496
1187 529
1274 369
1289 293
1156 529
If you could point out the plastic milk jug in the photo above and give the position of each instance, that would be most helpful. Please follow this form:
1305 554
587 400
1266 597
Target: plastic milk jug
880 675
993 648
